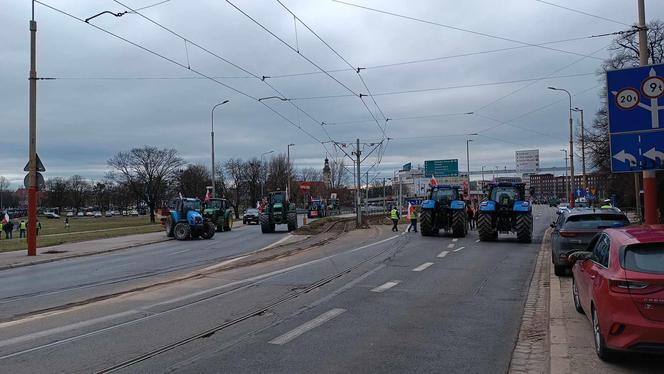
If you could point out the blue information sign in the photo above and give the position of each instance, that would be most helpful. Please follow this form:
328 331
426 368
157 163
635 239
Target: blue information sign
635 126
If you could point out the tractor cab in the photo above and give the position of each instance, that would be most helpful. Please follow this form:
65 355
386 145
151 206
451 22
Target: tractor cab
220 212
187 209
278 211
444 194
505 211
443 210
186 220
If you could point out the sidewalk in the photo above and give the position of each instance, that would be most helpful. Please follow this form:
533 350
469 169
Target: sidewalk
58 252
554 338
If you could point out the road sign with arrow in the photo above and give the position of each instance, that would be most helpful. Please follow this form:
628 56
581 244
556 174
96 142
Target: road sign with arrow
635 126
40 166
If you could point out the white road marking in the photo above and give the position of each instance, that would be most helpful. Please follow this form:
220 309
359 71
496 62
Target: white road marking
451 245
277 242
423 266
455 239
477 241
442 254
223 263
458 249
285 338
386 286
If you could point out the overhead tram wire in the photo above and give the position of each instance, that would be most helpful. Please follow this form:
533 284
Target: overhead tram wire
303 56
582 12
180 65
459 28
230 63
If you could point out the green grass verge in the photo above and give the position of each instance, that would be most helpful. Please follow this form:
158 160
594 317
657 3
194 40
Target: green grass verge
53 231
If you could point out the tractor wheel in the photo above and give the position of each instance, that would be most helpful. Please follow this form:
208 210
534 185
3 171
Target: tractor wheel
292 221
265 223
169 227
208 230
426 222
182 231
524 228
484 228
458 223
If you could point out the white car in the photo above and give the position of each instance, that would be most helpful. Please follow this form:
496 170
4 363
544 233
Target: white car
51 215
109 213
70 214
97 214
134 212
80 214
125 213
89 214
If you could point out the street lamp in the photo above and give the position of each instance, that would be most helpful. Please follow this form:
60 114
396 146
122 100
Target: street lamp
583 150
214 187
288 171
571 141
566 180
274 97
263 179
468 154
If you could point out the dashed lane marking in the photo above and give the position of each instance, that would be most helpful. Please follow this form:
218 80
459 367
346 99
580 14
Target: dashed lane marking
451 245
386 286
442 254
285 338
458 249
455 239
477 241
423 266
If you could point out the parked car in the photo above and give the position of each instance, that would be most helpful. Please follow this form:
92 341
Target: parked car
51 215
89 214
70 214
251 215
80 214
618 283
109 213
133 213
125 213
97 214
575 228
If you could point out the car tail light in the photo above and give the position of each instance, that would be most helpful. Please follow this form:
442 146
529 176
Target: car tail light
567 234
625 286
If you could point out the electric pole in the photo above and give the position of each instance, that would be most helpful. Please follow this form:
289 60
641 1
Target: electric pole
32 141
358 153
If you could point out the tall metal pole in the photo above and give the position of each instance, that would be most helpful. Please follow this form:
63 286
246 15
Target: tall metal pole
383 195
214 177
357 187
583 153
571 145
32 141
649 176
366 200
566 179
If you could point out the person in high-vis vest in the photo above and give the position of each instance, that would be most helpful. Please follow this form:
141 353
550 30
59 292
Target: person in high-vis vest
394 216
21 229
2 228
607 204
412 217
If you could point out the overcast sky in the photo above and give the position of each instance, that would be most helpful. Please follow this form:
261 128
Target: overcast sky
98 107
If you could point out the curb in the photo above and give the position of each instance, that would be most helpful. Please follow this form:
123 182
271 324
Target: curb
531 352
47 260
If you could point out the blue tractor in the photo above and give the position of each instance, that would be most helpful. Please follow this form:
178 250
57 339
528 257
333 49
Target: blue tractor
505 211
186 221
444 210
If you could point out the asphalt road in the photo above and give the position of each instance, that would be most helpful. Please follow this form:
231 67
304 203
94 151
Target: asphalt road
40 287
370 301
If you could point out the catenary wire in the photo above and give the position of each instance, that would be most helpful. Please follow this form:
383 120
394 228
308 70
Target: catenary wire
582 12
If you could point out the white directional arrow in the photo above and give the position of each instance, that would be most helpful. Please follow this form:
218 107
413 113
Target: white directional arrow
654 154
624 157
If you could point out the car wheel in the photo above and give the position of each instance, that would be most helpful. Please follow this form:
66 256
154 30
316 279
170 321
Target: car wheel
575 296
560 270
604 353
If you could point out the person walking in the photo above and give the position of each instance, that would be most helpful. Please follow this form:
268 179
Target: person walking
394 216
67 223
9 228
21 229
38 227
471 216
412 217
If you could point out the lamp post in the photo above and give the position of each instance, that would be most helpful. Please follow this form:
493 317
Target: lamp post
263 179
571 142
288 171
567 187
214 187
583 151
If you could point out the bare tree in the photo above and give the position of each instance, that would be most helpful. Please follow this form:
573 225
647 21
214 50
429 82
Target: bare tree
4 184
193 180
310 175
236 174
79 189
277 177
58 190
339 173
253 169
147 172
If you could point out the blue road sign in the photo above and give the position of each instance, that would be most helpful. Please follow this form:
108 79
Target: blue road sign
636 152
580 192
635 126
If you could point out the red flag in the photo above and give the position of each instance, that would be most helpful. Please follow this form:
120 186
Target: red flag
434 181
207 196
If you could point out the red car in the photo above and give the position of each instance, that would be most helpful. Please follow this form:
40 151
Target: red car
619 284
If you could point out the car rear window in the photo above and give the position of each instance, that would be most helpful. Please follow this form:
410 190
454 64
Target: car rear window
645 258
595 221
252 211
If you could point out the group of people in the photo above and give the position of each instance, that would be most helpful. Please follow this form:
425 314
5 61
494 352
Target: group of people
411 215
8 226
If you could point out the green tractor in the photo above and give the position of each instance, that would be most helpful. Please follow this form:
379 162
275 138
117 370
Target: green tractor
278 211
220 212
